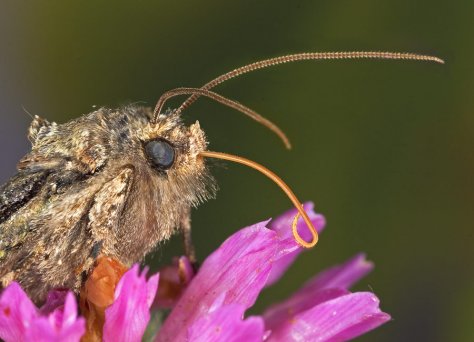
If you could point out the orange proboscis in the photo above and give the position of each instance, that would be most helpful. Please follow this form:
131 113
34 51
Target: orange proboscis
282 185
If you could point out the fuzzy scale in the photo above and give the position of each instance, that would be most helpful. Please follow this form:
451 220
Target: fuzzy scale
87 189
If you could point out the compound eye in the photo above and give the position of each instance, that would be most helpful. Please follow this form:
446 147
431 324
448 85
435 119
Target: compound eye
160 153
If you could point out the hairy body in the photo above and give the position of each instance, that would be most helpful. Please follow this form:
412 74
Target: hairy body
90 188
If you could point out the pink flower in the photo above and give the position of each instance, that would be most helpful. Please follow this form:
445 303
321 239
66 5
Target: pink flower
21 320
324 310
229 281
126 319
211 305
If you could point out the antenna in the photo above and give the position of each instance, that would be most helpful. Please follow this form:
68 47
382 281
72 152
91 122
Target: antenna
308 56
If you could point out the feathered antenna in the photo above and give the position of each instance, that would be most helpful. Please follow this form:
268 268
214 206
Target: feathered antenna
225 101
304 57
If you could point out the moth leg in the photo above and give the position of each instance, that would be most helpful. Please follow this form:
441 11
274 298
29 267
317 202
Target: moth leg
188 243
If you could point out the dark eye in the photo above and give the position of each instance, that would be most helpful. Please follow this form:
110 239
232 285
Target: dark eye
160 153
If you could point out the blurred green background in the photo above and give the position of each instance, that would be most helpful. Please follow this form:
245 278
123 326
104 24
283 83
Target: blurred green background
384 148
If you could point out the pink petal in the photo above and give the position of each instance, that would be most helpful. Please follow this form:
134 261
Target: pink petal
289 249
239 268
226 324
173 281
61 325
54 300
20 319
17 312
126 319
339 319
343 276
278 313
327 285
69 318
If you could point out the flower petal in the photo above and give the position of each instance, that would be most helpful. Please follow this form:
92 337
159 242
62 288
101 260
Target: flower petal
343 276
70 313
16 313
339 319
173 281
61 325
54 300
239 268
226 324
327 285
126 319
289 249
279 313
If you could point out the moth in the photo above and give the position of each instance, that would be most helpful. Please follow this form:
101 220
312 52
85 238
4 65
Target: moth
116 182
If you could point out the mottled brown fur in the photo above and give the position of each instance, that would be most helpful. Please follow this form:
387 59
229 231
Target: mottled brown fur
87 189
